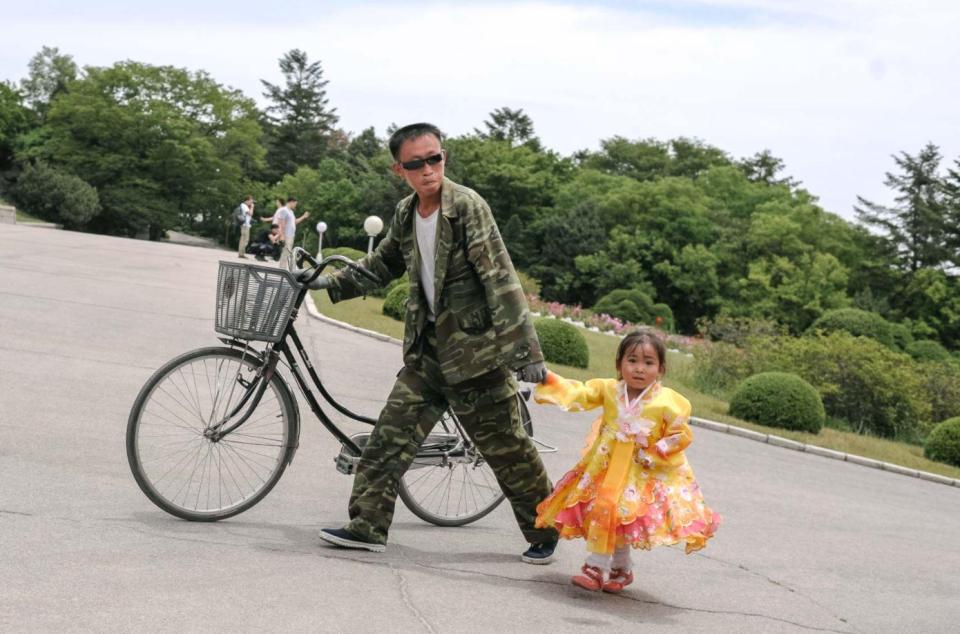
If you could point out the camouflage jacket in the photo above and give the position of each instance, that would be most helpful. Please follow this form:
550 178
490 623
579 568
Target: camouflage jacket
482 318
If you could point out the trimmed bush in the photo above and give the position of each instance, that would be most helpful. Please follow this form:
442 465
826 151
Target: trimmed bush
56 195
395 304
859 323
779 399
350 252
627 305
562 343
927 350
875 389
943 443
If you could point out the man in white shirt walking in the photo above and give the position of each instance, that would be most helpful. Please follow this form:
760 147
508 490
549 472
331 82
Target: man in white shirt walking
288 222
247 208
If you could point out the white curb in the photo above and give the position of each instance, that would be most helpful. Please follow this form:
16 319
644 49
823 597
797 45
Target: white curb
786 443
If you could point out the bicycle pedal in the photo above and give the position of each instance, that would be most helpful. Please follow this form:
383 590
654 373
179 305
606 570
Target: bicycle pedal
346 464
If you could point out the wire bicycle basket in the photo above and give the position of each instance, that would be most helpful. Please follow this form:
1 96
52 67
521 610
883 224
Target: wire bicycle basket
254 302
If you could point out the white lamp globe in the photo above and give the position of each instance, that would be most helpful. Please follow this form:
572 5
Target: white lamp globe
321 227
373 225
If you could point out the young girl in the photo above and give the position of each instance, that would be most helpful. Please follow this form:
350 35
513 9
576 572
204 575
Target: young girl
633 486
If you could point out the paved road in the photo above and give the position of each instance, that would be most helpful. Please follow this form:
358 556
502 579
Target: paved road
808 543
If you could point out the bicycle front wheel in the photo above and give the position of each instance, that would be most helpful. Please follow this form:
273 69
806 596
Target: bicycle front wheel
449 483
182 467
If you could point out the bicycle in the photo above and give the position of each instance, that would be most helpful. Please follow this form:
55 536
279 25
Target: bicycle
212 431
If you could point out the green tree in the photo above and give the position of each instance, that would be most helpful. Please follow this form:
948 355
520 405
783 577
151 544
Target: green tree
764 167
644 159
559 238
300 124
15 119
329 194
915 226
163 146
50 72
513 126
365 145
514 180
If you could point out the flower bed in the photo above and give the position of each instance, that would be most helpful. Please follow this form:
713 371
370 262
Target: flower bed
585 318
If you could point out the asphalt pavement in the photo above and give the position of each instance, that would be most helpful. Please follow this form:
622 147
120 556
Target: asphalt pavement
807 543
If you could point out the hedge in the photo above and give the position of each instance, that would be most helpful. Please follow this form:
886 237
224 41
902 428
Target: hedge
395 304
562 343
943 443
779 399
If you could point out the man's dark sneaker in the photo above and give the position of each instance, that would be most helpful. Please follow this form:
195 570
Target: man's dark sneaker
540 553
345 539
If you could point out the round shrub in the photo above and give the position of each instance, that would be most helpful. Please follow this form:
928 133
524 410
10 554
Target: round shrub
943 443
395 304
562 343
927 350
350 252
859 323
779 399
631 305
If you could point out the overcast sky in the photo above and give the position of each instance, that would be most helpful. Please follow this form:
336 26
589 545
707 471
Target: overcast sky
833 88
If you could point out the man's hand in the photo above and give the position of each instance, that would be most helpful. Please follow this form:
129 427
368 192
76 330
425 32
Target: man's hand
533 372
321 282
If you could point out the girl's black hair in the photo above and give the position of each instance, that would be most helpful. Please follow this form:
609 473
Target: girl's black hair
638 338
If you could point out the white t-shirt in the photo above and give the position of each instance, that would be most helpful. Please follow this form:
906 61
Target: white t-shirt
426 229
246 214
290 229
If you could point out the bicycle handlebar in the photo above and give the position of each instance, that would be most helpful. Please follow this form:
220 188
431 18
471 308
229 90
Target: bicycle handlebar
300 254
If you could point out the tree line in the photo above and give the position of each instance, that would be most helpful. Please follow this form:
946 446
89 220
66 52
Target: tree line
135 149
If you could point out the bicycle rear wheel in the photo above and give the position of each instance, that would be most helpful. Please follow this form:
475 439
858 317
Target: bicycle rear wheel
178 464
449 482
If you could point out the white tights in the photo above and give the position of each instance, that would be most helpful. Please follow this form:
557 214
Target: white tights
620 559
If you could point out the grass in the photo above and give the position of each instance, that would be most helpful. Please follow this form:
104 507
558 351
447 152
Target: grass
367 313
27 218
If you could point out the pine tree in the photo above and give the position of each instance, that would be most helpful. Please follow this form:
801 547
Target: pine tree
514 126
916 225
299 121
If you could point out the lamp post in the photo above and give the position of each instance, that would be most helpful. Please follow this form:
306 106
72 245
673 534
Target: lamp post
373 226
321 227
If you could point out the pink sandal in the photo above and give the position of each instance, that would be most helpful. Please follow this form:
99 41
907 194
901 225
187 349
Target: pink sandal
619 579
591 579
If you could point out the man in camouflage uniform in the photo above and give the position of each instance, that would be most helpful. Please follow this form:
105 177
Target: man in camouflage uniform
467 330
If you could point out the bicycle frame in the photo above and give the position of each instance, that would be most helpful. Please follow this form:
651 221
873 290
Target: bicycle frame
270 356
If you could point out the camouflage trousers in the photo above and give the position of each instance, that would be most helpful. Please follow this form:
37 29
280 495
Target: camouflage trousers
486 407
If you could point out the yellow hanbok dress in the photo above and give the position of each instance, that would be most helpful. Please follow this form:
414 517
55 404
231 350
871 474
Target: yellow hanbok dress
633 485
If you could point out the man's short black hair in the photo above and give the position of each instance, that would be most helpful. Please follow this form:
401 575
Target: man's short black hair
292 199
412 131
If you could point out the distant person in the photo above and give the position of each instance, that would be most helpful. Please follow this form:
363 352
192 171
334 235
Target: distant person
245 218
288 221
281 203
633 487
267 244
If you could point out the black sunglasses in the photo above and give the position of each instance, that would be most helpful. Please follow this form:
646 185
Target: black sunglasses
419 163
